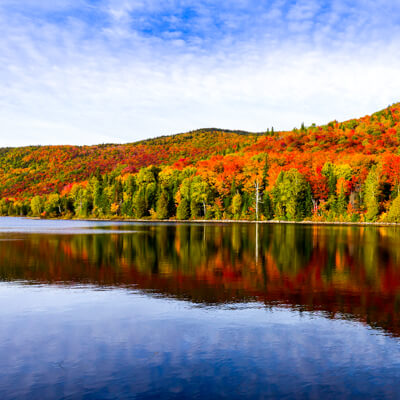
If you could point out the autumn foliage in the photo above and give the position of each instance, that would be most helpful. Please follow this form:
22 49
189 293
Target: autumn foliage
342 171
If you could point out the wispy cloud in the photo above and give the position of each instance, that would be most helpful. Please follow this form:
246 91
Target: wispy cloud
116 70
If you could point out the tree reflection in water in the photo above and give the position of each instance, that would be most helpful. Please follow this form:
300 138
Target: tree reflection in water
344 271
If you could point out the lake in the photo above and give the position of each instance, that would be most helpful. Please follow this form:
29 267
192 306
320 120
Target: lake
105 310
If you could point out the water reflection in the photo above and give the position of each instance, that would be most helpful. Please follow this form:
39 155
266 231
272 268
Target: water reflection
346 272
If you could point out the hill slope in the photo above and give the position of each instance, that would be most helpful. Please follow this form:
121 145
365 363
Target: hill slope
26 171
339 171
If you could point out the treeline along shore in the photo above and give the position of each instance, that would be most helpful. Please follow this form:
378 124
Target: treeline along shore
156 193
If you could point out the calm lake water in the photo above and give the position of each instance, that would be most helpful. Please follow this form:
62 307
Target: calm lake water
99 310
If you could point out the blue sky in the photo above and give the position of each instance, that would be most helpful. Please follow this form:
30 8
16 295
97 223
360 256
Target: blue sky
84 72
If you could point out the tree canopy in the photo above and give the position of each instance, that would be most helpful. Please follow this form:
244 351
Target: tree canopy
348 171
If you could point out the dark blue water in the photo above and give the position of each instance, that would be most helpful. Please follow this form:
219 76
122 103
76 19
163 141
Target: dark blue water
108 311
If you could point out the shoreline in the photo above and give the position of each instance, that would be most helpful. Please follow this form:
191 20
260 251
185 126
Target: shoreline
213 221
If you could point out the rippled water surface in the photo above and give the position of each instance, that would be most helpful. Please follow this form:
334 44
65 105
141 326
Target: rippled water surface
102 310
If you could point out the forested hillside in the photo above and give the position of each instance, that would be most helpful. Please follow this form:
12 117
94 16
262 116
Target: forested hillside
27 171
342 171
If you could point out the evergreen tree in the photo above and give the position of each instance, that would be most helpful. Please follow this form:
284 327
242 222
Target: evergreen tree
371 194
194 209
151 195
11 209
307 205
329 172
237 205
129 189
162 207
341 203
278 199
146 195
139 204
117 192
265 174
183 209
268 210
98 197
394 211
3 207
292 196
234 188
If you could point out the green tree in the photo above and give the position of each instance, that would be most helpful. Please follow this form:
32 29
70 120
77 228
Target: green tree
183 209
200 194
3 207
146 195
292 196
100 200
265 174
279 200
194 208
341 203
170 180
237 205
52 205
151 195
329 171
139 203
37 206
162 208
371 194
268 210
394 211
129 188
80 198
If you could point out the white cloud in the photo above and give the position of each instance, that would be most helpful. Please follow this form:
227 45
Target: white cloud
303 9
85 81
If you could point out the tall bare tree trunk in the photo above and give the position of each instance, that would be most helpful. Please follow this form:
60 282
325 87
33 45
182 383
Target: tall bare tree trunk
257 186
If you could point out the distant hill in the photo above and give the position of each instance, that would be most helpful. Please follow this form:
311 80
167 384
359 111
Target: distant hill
26 171
341 171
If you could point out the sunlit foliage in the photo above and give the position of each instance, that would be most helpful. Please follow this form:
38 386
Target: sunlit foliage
347 171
